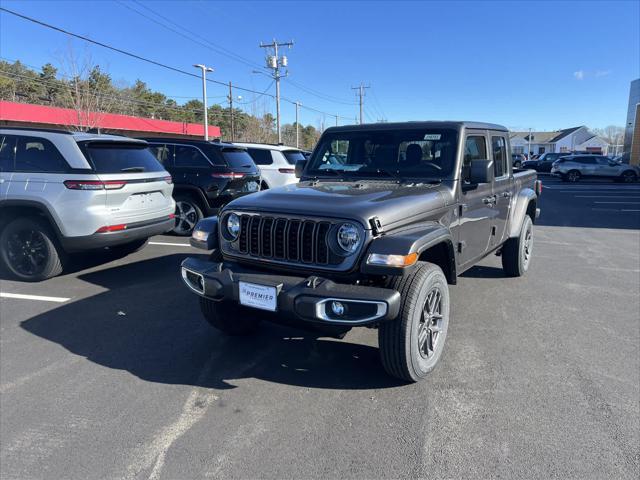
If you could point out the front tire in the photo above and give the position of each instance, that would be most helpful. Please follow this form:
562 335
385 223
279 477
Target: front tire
573 176
412 344
29 251
516 252
629 177
229 317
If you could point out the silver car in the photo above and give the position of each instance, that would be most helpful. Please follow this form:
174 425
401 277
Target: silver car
63 192
574 167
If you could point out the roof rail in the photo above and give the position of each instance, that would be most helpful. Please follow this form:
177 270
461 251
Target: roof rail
35 129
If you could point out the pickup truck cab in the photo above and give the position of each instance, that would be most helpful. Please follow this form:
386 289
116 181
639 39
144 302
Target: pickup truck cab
384 217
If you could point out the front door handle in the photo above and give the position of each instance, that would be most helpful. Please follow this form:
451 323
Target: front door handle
506 194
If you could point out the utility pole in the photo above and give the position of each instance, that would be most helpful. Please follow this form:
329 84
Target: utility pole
204 70
337 120
529 149
297 126
230 98
275 63
360 94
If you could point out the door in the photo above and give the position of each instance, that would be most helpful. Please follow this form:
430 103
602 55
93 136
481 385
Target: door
588 166
476 210
502 187
606 168
264 160
7 159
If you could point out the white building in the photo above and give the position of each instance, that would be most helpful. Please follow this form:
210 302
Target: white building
567 140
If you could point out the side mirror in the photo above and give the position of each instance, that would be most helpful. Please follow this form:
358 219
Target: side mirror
300 166
481 171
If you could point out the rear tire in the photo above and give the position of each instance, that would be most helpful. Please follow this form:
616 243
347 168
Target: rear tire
412 344
629 176
516 252
188 213
29 250
229 317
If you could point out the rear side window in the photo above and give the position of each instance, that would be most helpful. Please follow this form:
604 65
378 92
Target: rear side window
7 153
187 156
500 164
237 158
33 154
117 157
293 156
587 160
261 157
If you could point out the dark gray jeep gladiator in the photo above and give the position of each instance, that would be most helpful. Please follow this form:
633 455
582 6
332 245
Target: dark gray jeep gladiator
384 217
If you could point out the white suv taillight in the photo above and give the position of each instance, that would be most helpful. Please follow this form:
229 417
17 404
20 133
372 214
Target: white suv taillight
94 184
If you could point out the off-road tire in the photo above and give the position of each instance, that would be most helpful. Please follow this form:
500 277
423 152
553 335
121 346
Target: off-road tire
52 262
517 251
229 317
398 339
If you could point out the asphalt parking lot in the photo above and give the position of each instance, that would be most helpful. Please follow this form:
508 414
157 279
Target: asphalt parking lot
117 375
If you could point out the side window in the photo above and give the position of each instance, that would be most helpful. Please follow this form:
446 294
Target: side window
260 156
35 154
588 160
7 153
187 156
602 161
500 164
475 148
163 154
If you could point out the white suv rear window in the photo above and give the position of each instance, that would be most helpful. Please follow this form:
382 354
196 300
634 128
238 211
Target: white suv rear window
114 157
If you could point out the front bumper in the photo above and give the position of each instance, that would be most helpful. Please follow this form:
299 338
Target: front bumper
307 299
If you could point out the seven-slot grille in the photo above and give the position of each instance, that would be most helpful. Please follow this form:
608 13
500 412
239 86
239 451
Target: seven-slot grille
286 239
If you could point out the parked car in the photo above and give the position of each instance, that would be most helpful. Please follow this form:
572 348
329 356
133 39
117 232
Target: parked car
276 163
371 242
206 175
543 164
63 192
517 159
574 167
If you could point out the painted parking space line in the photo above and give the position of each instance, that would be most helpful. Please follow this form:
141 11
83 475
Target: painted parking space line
169 244
40 298
621 203
606 196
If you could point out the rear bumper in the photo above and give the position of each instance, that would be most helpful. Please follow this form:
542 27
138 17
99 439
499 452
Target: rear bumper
112 239
308 300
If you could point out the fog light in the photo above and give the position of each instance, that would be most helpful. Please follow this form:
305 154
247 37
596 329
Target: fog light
337 308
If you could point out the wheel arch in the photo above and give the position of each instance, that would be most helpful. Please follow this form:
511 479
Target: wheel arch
11 209
193 192
525 203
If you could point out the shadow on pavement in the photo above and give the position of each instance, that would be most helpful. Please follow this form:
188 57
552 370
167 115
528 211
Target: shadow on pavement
484 272
149 324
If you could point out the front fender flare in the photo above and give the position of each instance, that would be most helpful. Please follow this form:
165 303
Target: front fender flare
417 239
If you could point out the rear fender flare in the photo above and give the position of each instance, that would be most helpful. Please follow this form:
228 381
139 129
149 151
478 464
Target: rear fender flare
520 207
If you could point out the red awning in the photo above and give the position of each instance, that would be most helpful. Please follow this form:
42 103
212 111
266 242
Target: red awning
66 117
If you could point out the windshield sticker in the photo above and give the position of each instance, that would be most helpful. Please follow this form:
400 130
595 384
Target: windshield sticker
432 136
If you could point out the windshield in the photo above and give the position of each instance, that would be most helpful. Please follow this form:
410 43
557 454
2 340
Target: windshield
423 153
115 157
293 156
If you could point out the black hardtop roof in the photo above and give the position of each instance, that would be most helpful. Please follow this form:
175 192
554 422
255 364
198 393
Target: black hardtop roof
189 141
457 125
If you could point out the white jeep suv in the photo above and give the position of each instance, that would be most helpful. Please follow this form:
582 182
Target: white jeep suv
63 192
276 163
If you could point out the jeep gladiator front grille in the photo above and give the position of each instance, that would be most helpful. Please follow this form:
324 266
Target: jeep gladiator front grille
285 239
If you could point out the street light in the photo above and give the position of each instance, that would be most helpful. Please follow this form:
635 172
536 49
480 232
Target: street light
204 70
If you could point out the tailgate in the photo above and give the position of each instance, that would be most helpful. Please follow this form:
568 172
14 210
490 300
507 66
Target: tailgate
137 186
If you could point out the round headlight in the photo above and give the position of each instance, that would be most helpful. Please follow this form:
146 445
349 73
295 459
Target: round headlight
233 226
348 237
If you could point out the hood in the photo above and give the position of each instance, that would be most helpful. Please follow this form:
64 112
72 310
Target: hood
390 201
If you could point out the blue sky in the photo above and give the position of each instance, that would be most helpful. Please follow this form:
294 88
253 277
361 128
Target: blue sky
541 65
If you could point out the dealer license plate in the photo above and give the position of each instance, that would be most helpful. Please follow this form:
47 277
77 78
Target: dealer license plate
258 296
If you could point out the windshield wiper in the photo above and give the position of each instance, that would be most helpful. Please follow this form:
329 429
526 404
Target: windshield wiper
133 169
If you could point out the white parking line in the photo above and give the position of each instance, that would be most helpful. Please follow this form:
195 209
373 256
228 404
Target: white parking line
170 244
605 196
33 297
623 203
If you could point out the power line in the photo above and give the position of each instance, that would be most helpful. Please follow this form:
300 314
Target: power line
316 93
361 88
134 55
